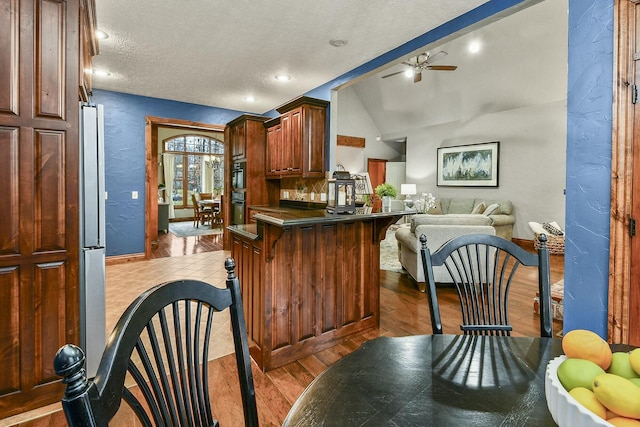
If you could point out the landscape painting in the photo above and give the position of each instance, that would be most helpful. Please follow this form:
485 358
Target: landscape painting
474 165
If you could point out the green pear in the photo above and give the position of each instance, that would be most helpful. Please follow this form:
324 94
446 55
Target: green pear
621 366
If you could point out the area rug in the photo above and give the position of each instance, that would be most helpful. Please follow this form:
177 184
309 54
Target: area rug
186 229
389 252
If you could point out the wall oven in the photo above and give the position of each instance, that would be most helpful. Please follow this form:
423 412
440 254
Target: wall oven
237 207
239 175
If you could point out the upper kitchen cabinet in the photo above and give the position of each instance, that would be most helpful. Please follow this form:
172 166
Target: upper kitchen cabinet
274 151
88 47
296 146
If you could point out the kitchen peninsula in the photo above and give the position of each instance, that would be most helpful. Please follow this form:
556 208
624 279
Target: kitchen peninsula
308 279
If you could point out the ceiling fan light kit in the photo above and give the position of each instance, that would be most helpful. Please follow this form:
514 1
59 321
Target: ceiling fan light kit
422 62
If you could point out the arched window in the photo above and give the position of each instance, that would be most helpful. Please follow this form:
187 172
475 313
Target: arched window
198 167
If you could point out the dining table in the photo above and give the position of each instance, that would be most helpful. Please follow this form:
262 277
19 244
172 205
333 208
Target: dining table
213 205
433 380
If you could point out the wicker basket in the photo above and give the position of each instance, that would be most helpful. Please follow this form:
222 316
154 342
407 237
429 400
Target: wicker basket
555 244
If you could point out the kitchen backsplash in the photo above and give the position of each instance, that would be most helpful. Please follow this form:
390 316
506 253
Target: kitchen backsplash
307 190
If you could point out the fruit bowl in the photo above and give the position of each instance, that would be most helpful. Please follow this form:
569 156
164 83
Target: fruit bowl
565 410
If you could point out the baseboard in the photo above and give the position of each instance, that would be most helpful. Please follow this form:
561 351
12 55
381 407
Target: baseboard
123 259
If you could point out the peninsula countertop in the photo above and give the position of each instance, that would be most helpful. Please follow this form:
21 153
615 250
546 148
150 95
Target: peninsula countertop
285 216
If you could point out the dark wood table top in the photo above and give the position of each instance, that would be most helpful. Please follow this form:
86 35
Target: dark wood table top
433 380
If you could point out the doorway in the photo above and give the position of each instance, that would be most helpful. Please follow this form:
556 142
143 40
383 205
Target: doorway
151 170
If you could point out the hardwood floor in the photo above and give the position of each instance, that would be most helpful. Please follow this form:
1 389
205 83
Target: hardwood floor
169 245
403 308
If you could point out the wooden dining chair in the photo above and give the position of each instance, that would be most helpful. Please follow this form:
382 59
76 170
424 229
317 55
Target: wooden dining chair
482 268
205 196
200 215
218 212
162 341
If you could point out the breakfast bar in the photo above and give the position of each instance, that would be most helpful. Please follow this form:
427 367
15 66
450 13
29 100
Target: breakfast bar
308 279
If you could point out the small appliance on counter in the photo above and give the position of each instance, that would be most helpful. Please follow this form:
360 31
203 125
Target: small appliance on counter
341 193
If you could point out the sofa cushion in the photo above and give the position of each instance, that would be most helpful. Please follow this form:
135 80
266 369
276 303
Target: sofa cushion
450 219
480 208
461 206
491 209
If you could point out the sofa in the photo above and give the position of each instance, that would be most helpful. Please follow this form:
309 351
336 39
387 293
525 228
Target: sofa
497 213
409 247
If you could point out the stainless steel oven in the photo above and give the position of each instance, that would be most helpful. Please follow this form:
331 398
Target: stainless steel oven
239 176
237 207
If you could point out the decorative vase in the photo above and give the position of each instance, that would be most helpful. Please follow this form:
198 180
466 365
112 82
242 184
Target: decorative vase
386 203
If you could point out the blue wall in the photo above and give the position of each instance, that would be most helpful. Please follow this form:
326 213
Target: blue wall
589 128
589 104
125 159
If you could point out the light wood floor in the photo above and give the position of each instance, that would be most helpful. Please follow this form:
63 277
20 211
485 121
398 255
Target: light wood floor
404 311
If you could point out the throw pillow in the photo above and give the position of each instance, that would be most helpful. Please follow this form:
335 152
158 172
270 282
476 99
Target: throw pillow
479 208
552 230
491 209
436 210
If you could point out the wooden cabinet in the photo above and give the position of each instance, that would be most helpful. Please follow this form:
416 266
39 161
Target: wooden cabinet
274 150
40 63
246 136
238 138
307 285
296 146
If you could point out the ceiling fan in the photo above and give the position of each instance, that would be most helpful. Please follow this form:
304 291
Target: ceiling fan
422 62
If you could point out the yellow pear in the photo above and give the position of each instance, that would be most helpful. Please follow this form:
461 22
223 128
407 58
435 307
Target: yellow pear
586 398
618 394
634 360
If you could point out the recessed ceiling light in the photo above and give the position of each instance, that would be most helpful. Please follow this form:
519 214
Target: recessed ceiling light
337 42
250 98
101 35
101 73
474 46
283 77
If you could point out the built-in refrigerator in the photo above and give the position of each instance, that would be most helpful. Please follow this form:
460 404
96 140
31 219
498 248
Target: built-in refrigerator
92 236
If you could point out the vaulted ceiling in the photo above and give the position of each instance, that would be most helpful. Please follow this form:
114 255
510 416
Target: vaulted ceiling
219 52
522 62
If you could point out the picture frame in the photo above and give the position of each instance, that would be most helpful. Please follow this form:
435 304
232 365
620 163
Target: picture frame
473 165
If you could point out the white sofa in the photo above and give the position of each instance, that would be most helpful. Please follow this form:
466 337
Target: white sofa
437 235
461 212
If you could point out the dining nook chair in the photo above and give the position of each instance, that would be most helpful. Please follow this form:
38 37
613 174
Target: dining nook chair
200 214
162 343
483 271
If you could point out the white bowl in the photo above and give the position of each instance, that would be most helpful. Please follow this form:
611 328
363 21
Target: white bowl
565 410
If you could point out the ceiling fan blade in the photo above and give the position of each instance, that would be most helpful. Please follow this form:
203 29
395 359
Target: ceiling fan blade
417 77
442 67
393 74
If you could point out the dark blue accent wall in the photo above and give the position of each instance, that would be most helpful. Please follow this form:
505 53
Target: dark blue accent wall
125 159
589 128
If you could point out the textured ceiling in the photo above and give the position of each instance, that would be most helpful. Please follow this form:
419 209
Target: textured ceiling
218 52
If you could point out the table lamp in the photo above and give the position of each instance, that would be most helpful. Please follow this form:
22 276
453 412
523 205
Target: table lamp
408 190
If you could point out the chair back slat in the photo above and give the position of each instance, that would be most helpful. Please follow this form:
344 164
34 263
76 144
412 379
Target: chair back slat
162 343
483 270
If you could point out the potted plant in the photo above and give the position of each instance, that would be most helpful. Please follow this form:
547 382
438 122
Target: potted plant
386 192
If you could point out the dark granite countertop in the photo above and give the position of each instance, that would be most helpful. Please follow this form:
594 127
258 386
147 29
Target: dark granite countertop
284 216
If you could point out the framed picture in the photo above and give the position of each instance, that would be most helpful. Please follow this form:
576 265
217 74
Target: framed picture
474 165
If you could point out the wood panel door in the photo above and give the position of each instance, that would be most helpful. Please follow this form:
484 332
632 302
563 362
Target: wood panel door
624 252
39 80
377 169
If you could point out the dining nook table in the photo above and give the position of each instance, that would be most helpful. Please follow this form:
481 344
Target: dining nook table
214 205
433 380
